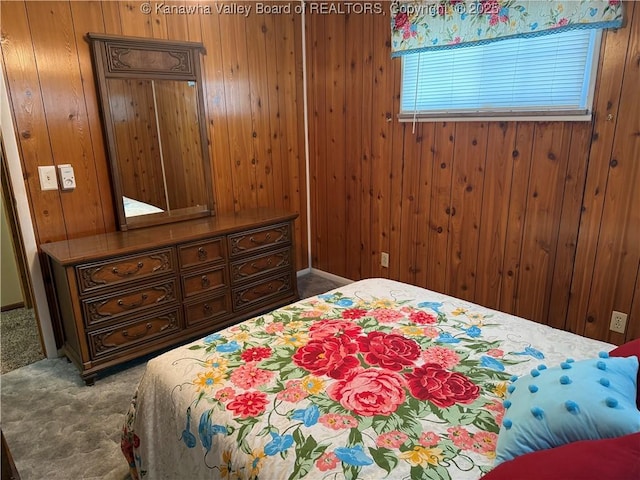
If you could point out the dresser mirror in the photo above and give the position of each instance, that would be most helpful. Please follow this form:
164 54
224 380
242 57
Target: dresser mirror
153 114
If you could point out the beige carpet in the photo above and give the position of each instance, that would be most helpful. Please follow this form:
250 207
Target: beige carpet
19 339
59 429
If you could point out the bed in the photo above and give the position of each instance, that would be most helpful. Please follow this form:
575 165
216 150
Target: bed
377 379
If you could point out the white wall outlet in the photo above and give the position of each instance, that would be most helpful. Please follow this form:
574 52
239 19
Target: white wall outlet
618 322
384 259
48 180
67 177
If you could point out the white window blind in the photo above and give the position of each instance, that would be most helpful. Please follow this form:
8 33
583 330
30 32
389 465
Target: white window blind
548 75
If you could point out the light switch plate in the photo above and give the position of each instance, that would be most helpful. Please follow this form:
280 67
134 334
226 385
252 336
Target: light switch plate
48 180
67 177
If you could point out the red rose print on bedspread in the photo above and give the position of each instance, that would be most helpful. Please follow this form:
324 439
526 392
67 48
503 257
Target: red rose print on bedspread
369 392
333 356
390 351
353 313
250 404
256 354
386 315
422 318
249 376
442 387
334 328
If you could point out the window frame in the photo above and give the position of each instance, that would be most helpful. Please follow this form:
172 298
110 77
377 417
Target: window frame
512 114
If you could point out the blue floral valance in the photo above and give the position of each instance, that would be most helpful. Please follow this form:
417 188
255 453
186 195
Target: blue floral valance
420 25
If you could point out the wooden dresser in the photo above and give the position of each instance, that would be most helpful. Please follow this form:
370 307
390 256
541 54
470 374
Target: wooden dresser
123 295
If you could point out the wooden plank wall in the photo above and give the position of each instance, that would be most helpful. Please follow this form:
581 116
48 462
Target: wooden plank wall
254 106
538 219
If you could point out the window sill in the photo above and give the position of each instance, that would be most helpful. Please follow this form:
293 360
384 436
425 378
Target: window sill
461 117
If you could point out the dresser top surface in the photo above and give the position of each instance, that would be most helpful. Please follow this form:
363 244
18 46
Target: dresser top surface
71 252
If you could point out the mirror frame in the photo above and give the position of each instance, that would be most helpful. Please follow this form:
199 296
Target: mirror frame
164 60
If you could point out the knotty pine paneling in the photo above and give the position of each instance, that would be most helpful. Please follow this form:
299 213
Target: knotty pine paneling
437 186
496 199
540 219
547 180
32 130
617 253
467 187
252 74
528 217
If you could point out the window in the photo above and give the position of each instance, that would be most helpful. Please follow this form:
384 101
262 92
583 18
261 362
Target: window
550 76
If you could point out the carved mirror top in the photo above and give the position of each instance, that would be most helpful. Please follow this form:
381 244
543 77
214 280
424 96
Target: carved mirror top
148 58
153 114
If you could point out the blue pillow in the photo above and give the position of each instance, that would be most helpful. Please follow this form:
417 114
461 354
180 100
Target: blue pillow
586 400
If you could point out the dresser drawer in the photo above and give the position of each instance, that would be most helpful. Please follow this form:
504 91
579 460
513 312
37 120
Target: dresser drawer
127 335
264 291
250 268
207 310
259 239
124 269
201 253
110 307
204 281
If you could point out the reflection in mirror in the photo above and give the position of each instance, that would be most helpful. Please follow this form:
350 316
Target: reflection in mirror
157 137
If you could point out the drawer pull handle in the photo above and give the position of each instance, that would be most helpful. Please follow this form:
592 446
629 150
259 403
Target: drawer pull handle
202 254
143 297
267 239
255 266
148 327
269 289
206 307
205 281
128 272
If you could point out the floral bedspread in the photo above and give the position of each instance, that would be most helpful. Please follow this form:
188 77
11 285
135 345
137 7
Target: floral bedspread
375 380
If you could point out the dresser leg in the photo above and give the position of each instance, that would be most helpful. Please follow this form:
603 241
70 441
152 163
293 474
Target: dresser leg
90 380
